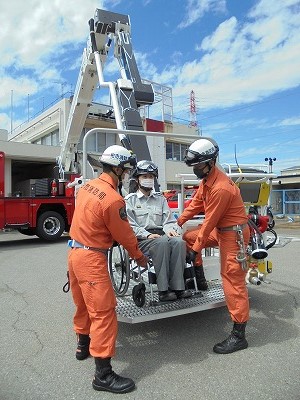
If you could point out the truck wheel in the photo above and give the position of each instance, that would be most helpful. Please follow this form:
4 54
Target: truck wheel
50 225
27 231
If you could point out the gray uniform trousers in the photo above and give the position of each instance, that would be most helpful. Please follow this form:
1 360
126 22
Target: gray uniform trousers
168 256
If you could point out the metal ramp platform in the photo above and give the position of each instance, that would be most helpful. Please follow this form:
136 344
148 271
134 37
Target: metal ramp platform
128 312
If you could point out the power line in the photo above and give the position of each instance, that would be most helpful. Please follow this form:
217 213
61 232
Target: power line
254 104
246 139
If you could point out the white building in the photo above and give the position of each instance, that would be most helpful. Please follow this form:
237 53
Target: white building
48 129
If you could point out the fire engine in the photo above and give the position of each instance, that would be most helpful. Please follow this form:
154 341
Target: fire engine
40 206
44 206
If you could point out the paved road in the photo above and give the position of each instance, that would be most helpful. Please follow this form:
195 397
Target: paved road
169 359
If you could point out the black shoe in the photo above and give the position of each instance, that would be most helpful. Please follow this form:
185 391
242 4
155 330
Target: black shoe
183 294
167 296
107 380
235 341
200 278
83 347
114 383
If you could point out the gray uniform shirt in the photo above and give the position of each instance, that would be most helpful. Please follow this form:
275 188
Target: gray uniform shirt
148 212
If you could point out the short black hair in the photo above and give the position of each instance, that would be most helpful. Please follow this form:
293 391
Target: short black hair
107 167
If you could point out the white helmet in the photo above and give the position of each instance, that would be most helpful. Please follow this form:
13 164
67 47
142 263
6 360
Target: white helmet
145 167
202 150
118 156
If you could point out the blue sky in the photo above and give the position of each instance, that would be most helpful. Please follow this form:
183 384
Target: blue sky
241 59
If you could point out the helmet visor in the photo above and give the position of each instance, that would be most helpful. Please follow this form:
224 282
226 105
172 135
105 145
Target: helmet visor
130 163
146 167
192 157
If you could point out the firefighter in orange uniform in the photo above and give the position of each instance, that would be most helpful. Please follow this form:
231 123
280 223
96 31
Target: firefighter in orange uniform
99 220
225 226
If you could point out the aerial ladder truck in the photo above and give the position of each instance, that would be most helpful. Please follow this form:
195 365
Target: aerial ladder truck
46 209
127 94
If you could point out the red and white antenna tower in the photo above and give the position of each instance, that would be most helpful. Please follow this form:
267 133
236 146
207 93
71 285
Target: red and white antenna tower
193 115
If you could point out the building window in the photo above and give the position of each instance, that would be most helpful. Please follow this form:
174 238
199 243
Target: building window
52 139
175 151
97 142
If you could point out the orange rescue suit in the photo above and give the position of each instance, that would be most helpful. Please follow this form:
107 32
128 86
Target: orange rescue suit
99 220
220 200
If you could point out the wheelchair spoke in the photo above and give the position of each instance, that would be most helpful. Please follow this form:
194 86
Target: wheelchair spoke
119 270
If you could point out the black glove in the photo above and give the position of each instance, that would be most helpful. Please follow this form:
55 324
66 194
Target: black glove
142 261
191 256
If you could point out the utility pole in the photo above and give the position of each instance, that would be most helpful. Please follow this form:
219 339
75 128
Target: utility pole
28 107
11 110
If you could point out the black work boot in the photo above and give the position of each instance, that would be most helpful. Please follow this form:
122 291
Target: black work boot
200 278
83 344
235 341
107 380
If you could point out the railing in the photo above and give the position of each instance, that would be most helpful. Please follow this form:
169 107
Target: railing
256 176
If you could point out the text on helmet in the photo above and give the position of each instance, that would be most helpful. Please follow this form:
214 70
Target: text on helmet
119 157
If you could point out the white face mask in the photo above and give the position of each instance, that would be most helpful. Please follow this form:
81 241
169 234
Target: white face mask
147 182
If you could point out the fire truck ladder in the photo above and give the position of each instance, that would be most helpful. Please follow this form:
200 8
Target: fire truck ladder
127 94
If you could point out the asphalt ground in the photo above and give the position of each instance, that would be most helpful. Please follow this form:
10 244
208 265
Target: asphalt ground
168 359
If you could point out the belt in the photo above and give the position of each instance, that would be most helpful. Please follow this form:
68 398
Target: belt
233 228
74 244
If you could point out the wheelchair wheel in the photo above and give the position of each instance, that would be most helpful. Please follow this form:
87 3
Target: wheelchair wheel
119 269
138 294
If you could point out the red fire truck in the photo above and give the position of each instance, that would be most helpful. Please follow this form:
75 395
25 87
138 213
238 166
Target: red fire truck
44 206
40 206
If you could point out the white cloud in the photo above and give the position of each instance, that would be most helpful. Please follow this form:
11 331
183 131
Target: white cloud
245 63
24 87
223 37
290 121
196 9
33 33
238 63
32 30
269 7
5 120
146 68
227 126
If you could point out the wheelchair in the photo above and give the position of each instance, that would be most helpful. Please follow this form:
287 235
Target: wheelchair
125 274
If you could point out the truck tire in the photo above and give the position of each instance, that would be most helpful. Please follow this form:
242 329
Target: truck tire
27 231
50 226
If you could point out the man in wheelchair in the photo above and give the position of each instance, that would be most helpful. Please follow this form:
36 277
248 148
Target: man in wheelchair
153 223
